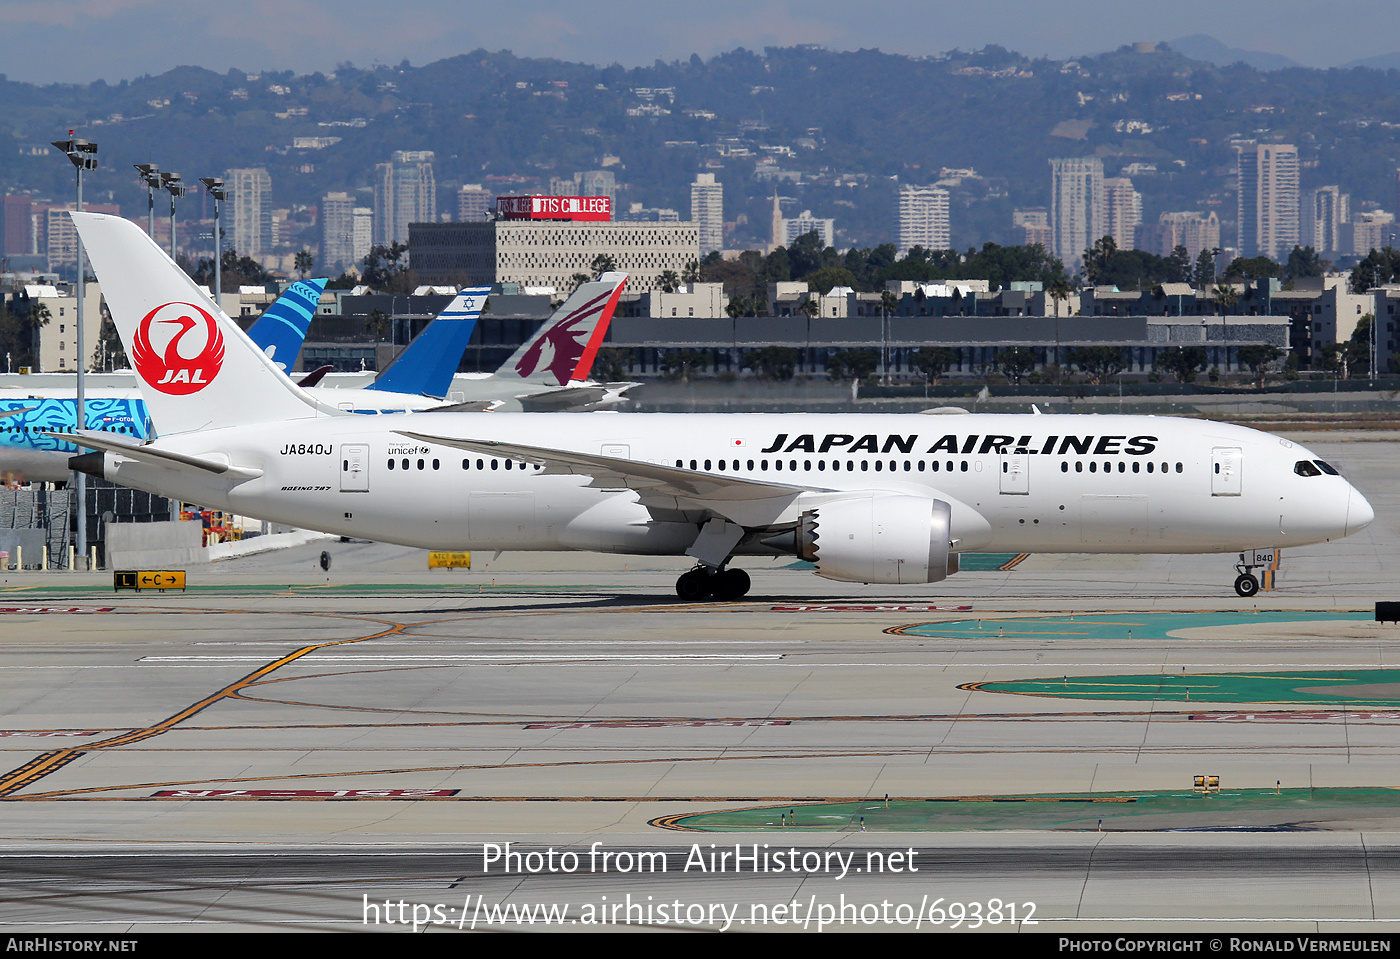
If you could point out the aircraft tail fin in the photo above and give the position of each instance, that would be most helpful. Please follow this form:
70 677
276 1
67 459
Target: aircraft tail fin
431 360
195 367
569 340
282 329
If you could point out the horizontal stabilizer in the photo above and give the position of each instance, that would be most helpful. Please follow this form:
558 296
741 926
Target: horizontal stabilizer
134 449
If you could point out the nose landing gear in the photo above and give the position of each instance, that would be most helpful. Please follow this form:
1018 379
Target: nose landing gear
704 582
1247 584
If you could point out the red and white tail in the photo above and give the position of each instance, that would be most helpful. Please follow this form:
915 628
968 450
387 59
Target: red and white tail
563 349
195 367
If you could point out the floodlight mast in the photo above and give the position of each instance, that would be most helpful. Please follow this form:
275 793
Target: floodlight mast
150 175
83 155
215 187
171 182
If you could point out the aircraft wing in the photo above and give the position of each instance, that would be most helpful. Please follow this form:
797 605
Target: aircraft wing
315 376
134 449
470 406
27 409
567 397
748 502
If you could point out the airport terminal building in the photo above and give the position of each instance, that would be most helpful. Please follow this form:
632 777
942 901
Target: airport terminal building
548 247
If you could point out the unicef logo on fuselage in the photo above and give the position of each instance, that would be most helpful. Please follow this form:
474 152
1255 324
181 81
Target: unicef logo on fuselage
178 348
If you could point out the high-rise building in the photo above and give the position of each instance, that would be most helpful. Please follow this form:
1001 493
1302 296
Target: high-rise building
61 236
363 234
473 203
404 192
1372 230
1324 212
805 223
586 183
16 226
1034 222
1268 204
337 231
923 219
250 197
707 211
1188 228
1122 212
1077 218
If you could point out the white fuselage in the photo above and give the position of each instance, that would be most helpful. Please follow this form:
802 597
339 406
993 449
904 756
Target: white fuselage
1023 483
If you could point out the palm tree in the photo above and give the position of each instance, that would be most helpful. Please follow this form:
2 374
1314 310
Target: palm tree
889 300
1059 289
304 262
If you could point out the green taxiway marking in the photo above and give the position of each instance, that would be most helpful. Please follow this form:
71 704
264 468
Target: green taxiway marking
1114 625
1313 687
1157 810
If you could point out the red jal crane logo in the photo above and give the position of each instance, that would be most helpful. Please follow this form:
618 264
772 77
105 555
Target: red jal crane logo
178 349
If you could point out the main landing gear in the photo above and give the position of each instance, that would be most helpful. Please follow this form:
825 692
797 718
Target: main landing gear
706 582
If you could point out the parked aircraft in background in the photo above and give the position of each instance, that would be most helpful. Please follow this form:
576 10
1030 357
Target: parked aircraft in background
550 370
869 498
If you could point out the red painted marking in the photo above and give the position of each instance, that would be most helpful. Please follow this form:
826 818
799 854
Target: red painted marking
877 608
49 732
649 724
303 793
56 609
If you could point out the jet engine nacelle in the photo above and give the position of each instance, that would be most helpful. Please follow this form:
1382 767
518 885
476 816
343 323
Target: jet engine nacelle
879 538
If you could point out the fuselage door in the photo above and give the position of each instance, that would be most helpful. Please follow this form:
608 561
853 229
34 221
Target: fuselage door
354 469
1225 468
1015 473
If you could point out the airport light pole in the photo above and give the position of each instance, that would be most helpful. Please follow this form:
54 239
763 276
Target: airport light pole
83 154
150 175
171 182
215 188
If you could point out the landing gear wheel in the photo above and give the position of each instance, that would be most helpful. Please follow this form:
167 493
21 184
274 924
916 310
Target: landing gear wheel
1246 585
730 585
694 586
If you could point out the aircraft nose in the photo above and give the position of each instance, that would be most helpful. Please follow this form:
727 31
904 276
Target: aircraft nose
1359 512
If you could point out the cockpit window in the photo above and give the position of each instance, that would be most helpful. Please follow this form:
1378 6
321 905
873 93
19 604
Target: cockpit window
1325 468
1304 468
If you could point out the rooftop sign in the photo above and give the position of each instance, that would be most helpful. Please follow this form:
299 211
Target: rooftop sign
555 207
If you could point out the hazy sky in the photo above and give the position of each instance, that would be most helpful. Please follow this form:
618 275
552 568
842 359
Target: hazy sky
48 41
